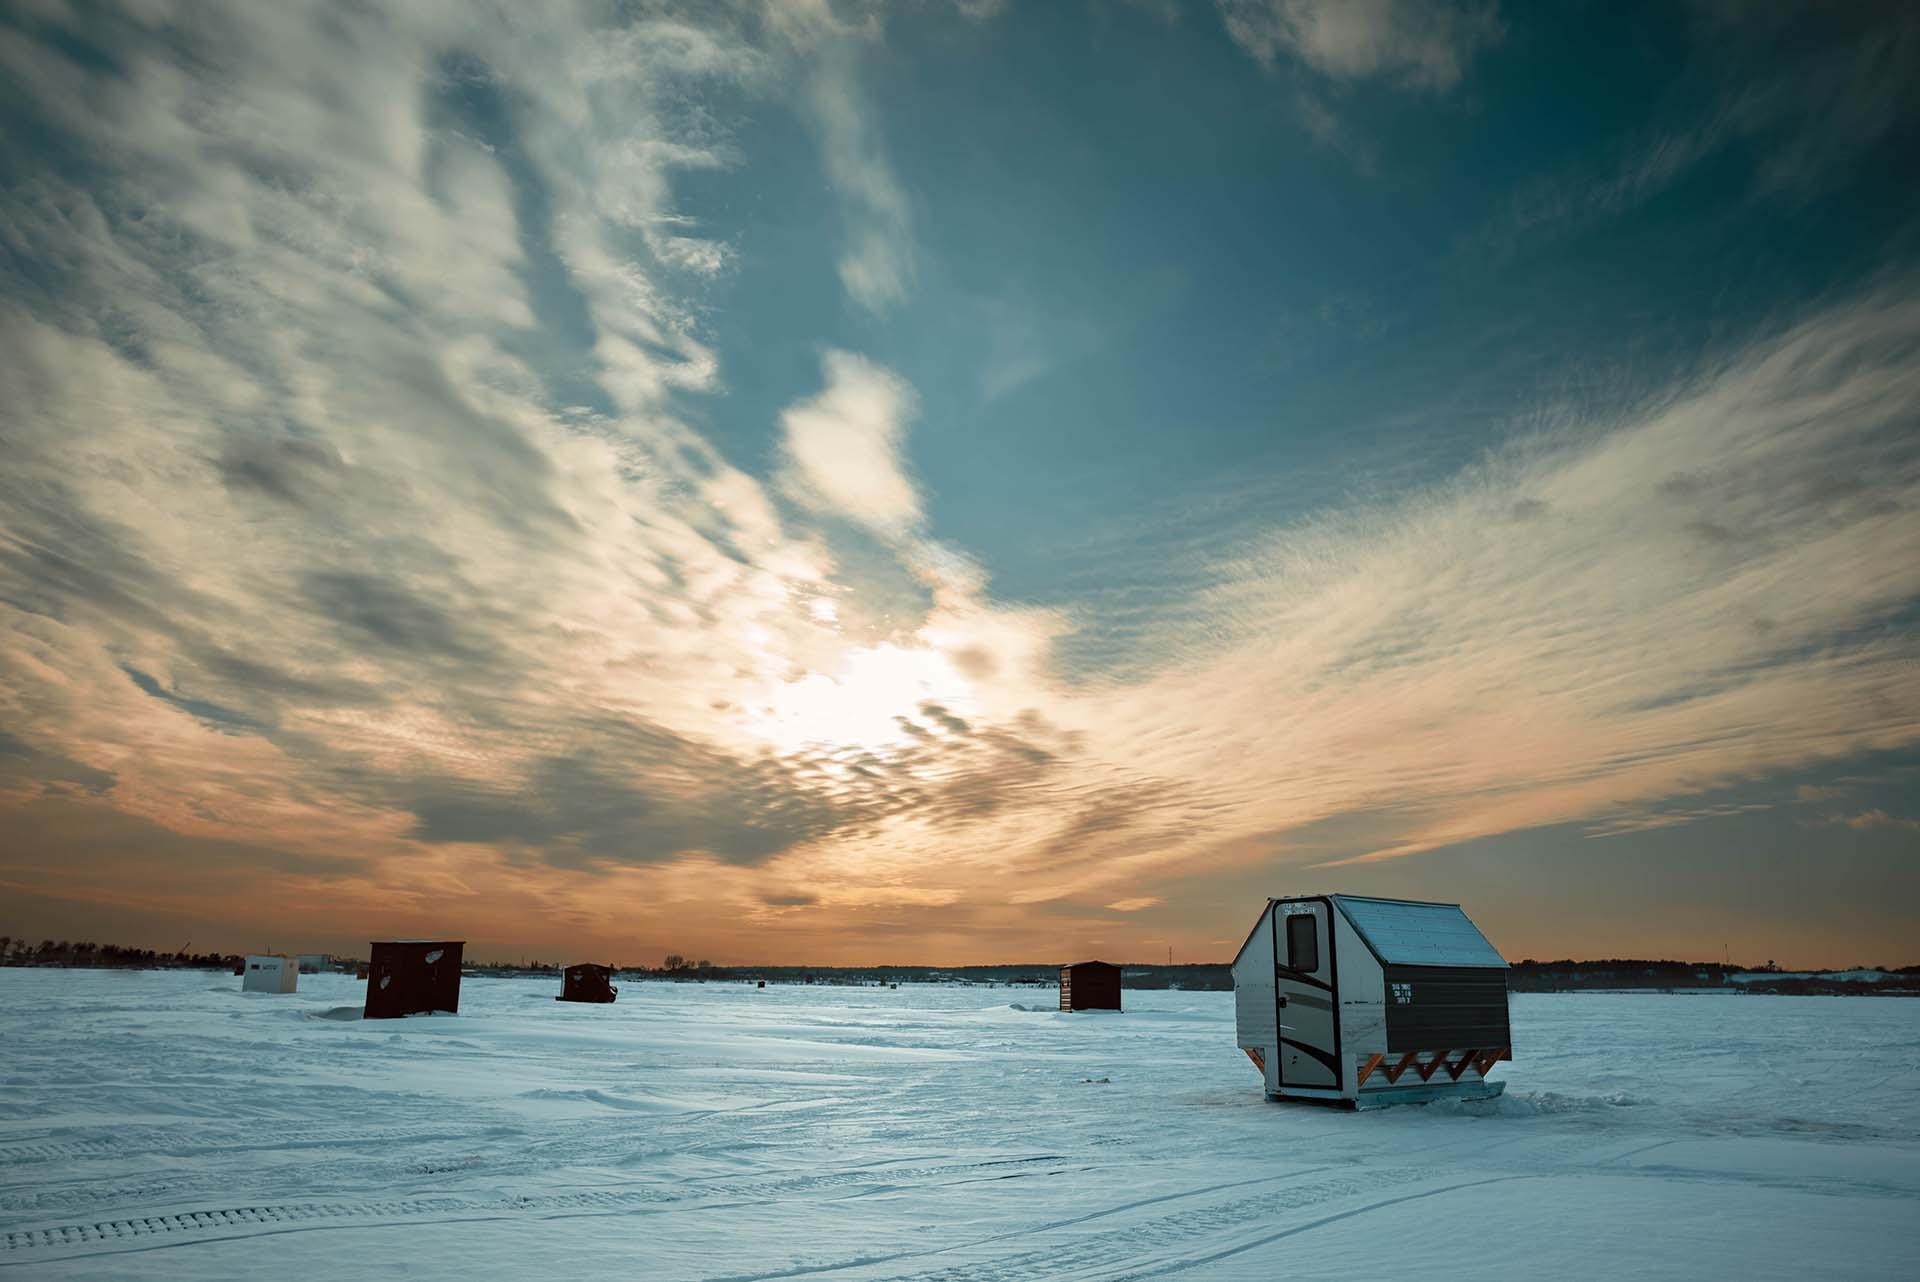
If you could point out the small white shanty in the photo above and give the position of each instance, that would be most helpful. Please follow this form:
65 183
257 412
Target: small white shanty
270 973
1358 1001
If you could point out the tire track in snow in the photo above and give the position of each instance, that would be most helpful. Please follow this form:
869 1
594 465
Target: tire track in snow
1117 1249
186 1226
1165 1268
72 1176
57 1150
1123 1246
173 1141
477 1148
800 1183
182 1226
308 1228
870 1261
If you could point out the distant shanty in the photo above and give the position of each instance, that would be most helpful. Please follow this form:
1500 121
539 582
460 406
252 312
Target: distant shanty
1090 985
270 973
588 982
414 977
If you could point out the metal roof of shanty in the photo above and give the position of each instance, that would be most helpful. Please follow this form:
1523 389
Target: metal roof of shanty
1404 932
1407 932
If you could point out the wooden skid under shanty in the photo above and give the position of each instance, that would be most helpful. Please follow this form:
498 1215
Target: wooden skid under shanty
1479 1060
1454 1064
1421 1094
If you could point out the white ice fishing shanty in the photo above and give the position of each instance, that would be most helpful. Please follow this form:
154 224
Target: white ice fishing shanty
270 973
1363 1001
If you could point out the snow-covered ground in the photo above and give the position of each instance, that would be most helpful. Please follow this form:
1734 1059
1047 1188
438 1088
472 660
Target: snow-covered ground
164 1125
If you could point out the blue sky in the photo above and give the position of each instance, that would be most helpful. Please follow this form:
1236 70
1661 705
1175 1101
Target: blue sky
960 481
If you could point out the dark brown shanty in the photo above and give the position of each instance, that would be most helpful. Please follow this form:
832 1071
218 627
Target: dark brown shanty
587 982
1090 985
413 977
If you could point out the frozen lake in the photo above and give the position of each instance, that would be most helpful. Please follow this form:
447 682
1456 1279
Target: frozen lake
164 1125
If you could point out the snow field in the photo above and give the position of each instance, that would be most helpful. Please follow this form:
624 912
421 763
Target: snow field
166 1125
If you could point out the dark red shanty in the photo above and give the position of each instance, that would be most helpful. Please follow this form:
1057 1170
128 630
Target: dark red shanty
1090 985
587 982
413 977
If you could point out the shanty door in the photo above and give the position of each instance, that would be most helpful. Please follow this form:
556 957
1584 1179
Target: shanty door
1303 988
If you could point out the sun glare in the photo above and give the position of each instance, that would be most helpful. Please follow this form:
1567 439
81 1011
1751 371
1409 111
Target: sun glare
872 701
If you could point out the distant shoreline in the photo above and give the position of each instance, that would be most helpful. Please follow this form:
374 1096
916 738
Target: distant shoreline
1609 976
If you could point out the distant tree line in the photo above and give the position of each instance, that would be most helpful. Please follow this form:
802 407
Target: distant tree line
1566 975
48 952
1614 972
1198 977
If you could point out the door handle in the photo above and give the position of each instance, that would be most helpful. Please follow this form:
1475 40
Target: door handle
1283 1001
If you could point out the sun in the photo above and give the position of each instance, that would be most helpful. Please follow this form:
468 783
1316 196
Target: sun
861 703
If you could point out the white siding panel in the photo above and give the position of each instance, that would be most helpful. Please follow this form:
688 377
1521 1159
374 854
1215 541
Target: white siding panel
1253 1009
1363 995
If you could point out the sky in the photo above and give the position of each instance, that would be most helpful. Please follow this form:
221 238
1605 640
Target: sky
995 480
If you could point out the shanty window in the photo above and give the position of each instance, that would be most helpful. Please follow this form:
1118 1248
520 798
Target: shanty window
1303 944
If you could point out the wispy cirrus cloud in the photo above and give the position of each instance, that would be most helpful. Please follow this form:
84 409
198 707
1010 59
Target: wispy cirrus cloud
1628 822
1790 131
876 267
844 446
1416 44
1606 610
1420 46
1869 819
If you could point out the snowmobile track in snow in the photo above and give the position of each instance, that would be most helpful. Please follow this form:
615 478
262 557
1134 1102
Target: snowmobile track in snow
178 1140
1165 1228
144 1232
181 1226
186 1227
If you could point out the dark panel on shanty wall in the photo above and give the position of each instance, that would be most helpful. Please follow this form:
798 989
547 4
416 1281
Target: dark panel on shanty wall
1436 1008
412 977
587 982
1090 986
